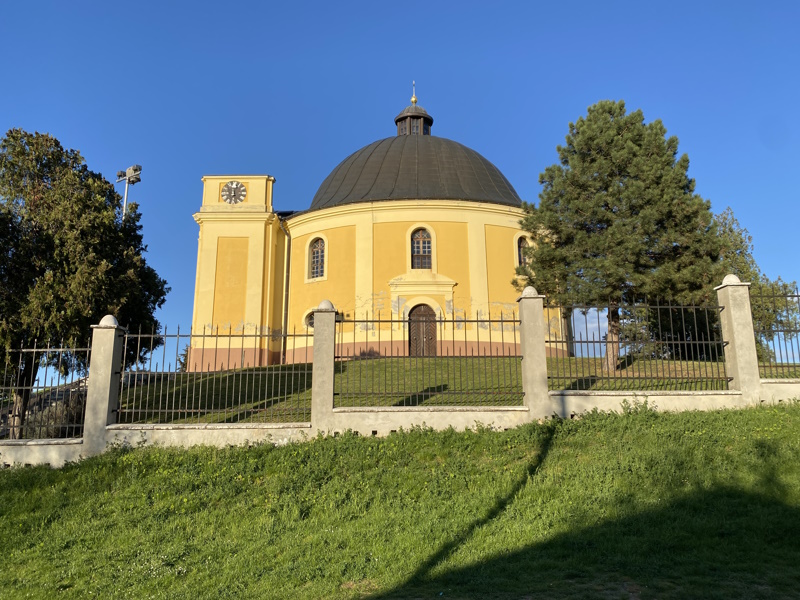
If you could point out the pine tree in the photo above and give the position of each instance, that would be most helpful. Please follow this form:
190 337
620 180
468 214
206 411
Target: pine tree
618 220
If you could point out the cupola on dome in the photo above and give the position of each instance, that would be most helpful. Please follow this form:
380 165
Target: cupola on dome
414 165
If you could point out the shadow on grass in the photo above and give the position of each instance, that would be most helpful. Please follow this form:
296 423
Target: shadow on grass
419 581
720 542
260 393
418 398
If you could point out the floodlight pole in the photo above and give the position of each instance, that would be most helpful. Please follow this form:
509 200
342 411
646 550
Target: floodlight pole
130 176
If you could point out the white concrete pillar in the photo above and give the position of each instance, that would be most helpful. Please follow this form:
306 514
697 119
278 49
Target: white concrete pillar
736 318
534 357
322 370
102 394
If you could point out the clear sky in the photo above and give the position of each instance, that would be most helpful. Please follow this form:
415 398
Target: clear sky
188 89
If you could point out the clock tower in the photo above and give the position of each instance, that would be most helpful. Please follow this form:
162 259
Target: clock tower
239 290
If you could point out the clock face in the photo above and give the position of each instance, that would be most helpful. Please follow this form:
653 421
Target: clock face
234 192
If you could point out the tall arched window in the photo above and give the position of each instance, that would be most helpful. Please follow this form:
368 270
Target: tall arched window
316 259
522 255
420 249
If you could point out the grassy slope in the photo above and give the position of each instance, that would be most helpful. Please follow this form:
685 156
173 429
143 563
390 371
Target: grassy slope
643 504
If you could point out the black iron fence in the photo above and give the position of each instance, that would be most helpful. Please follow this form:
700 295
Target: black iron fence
43 392
216 377
427 361
776 322
642 346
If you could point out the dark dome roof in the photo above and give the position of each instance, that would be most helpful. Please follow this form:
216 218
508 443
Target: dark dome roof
408 167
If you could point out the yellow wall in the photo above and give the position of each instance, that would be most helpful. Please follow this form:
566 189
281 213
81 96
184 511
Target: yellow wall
501 257
242 257
338 284
230 285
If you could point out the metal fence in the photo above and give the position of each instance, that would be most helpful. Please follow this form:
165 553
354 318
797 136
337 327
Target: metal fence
43 392
427 361
658 346
776 322
216 377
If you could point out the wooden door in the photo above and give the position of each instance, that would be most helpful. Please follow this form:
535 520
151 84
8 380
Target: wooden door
422 331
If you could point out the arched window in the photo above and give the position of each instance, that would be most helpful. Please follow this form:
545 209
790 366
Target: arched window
420 249
522 255
316 259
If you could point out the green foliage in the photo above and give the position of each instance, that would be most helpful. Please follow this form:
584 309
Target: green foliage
618 218
640 504
68 257
772 310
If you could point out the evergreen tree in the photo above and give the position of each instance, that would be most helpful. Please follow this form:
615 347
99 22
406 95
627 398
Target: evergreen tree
618 220
68 257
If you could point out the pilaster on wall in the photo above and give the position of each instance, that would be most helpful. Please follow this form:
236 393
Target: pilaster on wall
534 358
102 394
736 319
322 369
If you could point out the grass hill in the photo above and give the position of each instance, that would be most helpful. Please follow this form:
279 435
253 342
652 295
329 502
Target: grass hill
634 505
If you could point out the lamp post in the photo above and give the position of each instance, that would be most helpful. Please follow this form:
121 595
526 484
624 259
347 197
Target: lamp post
130 176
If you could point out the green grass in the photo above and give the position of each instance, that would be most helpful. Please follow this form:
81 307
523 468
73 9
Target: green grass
583 373
638 505
779 371
281 394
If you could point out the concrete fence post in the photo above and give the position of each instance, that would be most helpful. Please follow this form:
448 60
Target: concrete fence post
736 319
534 355
322 370
102 395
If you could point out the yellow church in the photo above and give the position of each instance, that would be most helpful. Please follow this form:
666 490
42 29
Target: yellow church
411 227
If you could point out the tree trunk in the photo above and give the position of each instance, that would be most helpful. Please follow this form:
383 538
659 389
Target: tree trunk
22 395
612 338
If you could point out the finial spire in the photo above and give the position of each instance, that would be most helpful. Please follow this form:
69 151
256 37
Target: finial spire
414 93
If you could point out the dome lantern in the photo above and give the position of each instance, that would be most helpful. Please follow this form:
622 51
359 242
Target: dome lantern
414 120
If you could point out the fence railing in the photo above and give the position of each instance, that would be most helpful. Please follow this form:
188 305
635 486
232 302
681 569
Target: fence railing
656 346
427 361
776 323
215 377
43 392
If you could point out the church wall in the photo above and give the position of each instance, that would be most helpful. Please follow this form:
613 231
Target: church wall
389 261
454 262
501 257
230 284
338 283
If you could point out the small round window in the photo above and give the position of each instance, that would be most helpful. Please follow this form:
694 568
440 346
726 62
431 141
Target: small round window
310 320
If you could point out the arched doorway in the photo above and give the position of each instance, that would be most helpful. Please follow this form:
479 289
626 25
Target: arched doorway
422 331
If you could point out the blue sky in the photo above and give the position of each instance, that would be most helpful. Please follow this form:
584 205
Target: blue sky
291 89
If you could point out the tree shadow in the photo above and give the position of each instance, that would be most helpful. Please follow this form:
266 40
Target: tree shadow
419 579
718 542
417 398
582 383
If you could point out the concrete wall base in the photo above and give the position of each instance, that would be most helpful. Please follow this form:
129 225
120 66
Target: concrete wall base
775 390
206 435
568 403
55 453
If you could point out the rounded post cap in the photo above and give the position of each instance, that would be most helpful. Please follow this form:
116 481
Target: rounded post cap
109 321
730 278
529 292
325 305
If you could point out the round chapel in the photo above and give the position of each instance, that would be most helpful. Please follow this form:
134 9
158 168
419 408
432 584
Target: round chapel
409 226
